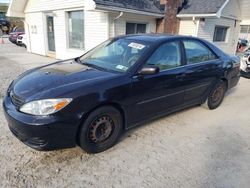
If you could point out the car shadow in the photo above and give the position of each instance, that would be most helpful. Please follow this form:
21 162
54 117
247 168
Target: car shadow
152 122
77 152
231 91
71 154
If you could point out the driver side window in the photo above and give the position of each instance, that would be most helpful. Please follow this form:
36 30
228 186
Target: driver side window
167 56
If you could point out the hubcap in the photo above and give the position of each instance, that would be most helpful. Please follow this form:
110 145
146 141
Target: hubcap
217 95
101 129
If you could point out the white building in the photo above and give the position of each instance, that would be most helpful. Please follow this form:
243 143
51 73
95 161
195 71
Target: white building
67 28
245 24
217 21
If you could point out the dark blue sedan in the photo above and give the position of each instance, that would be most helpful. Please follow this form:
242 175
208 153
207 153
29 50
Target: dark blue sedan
123 82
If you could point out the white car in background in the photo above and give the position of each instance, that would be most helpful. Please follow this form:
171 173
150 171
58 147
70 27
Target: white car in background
21 40
245 64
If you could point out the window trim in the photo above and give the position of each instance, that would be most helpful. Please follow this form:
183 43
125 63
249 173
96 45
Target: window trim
226 37
188 65
183 55
199 42
67 29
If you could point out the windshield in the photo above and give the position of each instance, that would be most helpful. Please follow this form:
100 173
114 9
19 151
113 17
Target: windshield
115 55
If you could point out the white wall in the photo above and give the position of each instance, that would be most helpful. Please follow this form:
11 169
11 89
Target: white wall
120 24
207 32
47 5
35 37
35 15
95 32
96 28
188 27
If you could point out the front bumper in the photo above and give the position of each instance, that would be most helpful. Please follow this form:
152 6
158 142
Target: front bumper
41 133
245 68
19 43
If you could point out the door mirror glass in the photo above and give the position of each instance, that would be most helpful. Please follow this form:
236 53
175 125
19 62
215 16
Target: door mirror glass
149 70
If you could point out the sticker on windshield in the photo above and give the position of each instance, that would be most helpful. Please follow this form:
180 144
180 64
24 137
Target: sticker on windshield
121 67
136 45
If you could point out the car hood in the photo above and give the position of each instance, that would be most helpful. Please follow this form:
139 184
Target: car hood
58 75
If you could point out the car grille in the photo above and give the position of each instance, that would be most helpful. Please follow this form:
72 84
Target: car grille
16 100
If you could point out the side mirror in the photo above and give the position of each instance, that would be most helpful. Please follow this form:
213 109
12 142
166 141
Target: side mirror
149 70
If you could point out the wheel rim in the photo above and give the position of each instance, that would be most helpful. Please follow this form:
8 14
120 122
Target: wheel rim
101 129
217 95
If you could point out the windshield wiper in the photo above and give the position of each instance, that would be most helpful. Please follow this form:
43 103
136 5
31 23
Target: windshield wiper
88 64
93 65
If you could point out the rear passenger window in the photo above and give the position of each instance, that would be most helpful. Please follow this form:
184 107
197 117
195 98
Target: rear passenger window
196 52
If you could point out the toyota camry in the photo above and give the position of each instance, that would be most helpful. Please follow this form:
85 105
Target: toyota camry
91 100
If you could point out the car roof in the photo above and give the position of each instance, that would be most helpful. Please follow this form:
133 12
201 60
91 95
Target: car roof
160 38
153 37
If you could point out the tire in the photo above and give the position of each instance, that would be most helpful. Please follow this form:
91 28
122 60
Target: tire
101 130
216 96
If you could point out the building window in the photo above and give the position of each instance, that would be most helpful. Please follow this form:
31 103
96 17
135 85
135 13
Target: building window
76 29
220 34
135 28
244 29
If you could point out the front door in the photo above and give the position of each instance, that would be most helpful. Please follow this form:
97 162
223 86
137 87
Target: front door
156 94
50 34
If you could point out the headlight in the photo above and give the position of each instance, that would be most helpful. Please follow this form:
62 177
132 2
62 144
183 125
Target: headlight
44 107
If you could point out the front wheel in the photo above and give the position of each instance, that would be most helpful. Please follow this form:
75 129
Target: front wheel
216 96
101 130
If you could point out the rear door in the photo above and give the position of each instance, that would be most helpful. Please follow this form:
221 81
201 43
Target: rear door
202 70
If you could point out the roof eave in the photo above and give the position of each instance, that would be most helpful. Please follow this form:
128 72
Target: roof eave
12 12
107 8
219 13
197 15
15 14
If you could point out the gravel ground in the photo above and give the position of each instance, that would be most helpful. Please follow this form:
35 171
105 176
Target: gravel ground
193 148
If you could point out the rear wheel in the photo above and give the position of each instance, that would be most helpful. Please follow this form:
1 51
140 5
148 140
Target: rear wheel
216 96
101 130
